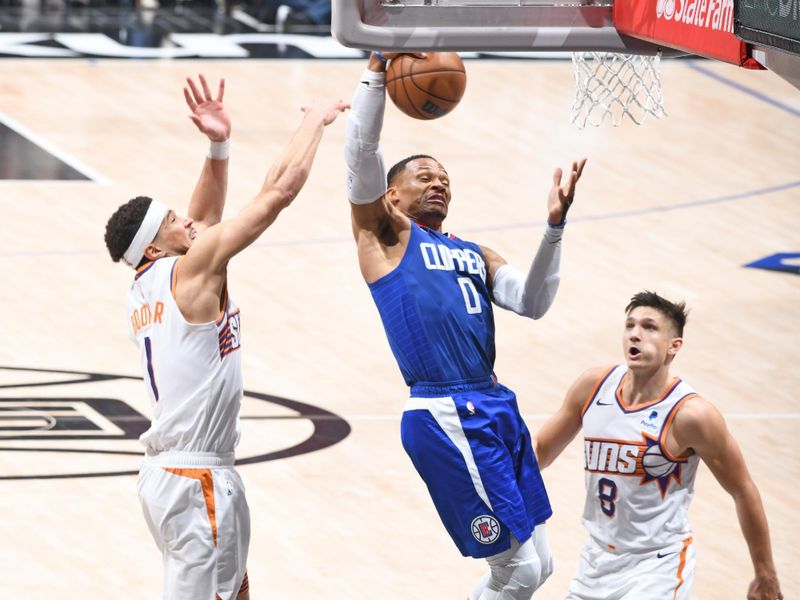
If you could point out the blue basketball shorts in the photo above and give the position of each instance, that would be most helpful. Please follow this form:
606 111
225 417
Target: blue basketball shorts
473 451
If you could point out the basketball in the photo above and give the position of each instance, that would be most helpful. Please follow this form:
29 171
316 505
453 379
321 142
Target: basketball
426 88
656 464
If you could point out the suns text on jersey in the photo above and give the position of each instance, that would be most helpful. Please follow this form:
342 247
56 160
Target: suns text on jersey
612 456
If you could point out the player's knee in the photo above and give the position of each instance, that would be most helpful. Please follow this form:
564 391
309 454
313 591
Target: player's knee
547 569
526 579
516 578
546 564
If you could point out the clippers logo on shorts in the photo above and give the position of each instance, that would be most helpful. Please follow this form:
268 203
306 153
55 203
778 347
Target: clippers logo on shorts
485 529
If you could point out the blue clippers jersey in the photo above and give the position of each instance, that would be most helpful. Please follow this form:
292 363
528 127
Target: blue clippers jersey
437 311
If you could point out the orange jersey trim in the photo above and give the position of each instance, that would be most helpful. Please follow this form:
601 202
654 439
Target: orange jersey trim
173 279
668 424
682 564
595 389
141 270
206 479
627 408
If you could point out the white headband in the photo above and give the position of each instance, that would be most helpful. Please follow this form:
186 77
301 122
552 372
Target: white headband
146 234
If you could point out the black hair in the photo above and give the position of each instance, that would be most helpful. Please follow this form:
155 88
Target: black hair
398 167
123 225
675 312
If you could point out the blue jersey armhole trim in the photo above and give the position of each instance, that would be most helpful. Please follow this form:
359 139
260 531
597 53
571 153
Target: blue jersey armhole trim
381 281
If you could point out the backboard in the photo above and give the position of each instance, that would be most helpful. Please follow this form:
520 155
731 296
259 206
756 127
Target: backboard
482 25
612 34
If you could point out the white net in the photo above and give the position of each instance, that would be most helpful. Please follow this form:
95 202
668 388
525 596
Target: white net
611 86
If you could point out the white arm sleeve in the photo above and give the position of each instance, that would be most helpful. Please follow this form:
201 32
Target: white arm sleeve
366 172
533 295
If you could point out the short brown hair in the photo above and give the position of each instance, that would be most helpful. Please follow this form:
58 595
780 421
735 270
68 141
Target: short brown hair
675 312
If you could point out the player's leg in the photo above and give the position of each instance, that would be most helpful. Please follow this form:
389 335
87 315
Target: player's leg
443 458
177 512
598 575
458 448
665 573
233 534
244 589
518 572
542 547
514 485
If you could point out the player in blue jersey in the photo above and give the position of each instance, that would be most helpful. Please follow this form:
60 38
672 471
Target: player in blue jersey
461 428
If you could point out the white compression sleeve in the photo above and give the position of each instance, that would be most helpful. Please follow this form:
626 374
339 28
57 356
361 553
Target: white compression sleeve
366 172
513 575
533 295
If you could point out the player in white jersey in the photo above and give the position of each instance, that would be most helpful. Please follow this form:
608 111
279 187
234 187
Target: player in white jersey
645 433
187 330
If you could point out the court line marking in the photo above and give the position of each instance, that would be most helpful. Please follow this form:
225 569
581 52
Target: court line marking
743 88
51 148
653 209
735 416
506 227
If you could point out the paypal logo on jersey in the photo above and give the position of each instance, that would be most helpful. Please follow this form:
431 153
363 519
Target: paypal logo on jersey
439 257
648 424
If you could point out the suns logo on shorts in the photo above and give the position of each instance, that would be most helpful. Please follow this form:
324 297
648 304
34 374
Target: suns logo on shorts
485 529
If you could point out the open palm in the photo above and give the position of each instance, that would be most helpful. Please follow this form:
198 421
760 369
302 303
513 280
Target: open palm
208 113
561 195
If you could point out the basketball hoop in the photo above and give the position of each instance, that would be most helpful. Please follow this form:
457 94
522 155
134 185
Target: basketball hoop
609 84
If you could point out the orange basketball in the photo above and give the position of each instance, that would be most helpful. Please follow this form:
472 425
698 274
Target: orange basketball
426 88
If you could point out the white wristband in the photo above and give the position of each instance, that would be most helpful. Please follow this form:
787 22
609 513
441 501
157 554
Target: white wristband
219 150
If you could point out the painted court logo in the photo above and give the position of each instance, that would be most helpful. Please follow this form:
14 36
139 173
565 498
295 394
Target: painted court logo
486 529
58 424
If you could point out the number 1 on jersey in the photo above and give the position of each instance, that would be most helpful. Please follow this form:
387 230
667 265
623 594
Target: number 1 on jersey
471 299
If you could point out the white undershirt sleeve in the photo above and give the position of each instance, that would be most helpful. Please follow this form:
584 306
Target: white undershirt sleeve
531 295
366 172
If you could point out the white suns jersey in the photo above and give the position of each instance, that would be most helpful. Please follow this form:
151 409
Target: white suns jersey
192 372
637 495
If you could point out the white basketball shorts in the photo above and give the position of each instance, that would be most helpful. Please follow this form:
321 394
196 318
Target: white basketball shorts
663 574
195 507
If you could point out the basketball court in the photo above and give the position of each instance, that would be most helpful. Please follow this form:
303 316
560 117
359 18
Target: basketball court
703 205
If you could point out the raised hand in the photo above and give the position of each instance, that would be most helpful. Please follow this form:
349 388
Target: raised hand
561 196
328 108
208 113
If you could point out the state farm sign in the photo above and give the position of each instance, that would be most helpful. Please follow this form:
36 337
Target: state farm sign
703 27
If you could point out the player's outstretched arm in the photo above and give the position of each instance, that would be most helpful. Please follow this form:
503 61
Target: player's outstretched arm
532 294
366 170
376 223
561 428
208 114
281 186
700 426
200 274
